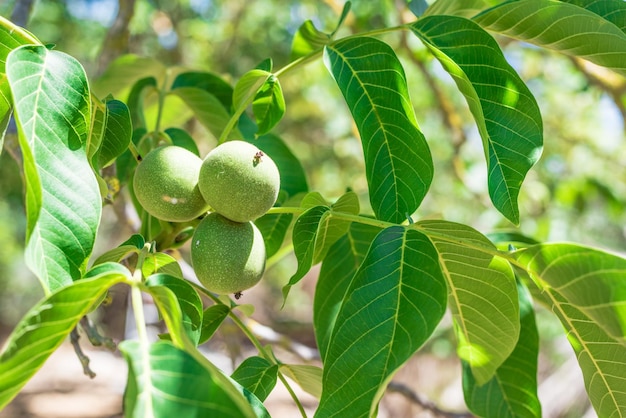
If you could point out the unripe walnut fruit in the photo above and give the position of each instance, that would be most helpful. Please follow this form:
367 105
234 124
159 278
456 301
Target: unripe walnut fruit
166 184
239 181
227 256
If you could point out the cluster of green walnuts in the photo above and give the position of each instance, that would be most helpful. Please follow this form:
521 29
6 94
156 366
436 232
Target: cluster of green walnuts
237 183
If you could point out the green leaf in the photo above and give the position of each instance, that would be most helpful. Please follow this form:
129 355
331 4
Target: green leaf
117 135
505 111
308 39
463 8
182 139
394 303
274 228
161 263
304 236
248 86
585 288
308 377
589 279
165 381
560 26
338 269
330 228
63 203
398 164
139 92
46 325
312 199
268 105
482 296
209 111
208 82
188 299
512 392
11 37
170 309
257 375
612 10
212 318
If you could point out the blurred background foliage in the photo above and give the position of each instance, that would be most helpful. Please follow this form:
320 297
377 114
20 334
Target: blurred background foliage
577 191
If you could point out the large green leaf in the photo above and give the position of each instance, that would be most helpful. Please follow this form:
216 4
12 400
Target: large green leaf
591 280
512 392
170 308
586 289
11 37
505 111
612 10
47 324
482 296
165 381
464 8
560 26
63 201
394 303
398 164
338 268
268 105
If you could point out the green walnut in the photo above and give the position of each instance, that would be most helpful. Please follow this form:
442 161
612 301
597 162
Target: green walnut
228 257
166 184
239 181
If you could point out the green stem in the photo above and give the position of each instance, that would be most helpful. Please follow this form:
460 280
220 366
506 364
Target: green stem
257 344
162 94
289 68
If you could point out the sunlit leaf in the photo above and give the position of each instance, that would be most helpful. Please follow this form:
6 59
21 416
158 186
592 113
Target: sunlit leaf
188 299
463 8
46 325
612 10
393 304
560 26
63 201
307 40
512 392
308 377
304 236
257 375
505 111
117 135
331 228
165 381
268 105
208 82
248 86
482 296
11 37
398 164
341 262
160 263
139 92
585 288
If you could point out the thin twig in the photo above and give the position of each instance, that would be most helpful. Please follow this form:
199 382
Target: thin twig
405 391
84 360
